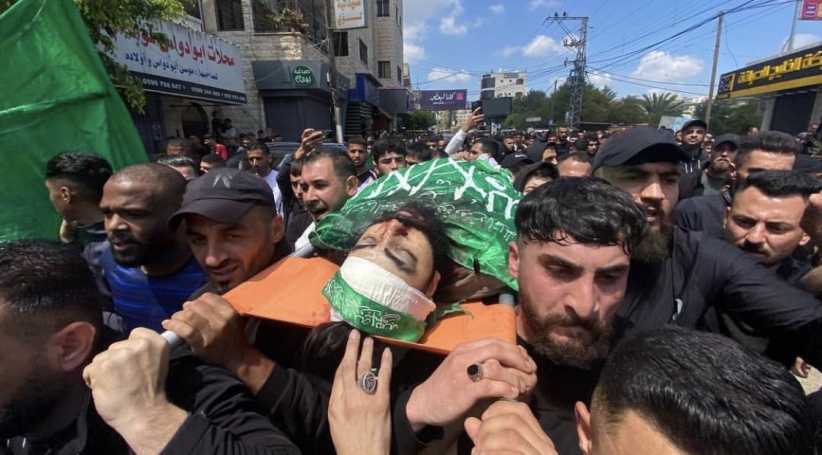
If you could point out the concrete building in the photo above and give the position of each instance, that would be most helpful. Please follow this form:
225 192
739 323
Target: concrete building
287 68
503 84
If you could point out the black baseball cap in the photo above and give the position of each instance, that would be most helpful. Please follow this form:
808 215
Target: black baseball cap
640 144
694 122
807 164
515 160
728 137
223 195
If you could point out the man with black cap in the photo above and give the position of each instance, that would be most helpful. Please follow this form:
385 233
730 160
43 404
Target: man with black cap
693 136
715 173
515 162
677 277
232 226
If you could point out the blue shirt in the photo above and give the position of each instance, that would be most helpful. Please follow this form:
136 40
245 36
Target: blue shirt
145 301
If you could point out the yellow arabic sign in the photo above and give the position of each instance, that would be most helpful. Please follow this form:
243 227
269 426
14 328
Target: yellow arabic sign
799 69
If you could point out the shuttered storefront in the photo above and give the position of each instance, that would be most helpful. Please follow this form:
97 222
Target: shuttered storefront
792 113
289 116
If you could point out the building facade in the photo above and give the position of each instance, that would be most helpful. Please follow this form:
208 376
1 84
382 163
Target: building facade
503 84
790 84
289 70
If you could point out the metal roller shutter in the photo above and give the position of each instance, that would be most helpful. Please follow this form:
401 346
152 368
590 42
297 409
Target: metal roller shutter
283 116
792 113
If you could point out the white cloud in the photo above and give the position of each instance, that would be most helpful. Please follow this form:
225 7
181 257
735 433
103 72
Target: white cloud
802 40
449 26
478 22
508 51
664 67
497 9
600 80
542 46
413 50
422 10
535 4
448 76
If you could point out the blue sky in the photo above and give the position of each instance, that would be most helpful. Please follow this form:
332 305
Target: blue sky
450 43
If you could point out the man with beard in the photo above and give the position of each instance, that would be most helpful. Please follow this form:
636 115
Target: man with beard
328 179
571 260
678 277
132 398
259 157
716 174
358 152
693 136
149 268
758 152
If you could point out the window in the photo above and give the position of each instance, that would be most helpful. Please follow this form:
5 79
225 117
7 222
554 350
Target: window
341 44
364 53
520 81
383 8
384 70
229 15
192 8
488 82
399 74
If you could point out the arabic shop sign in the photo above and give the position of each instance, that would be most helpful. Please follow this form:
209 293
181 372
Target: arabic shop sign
303 76
799 69
811 10
443 100
350 14
193 64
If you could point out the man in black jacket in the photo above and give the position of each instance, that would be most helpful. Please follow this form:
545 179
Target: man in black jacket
758 152
130 399
715 174
693 136
677 277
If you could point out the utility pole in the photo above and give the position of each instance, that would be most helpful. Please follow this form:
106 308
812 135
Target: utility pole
553 94
710 102
793 25
332 72
577 76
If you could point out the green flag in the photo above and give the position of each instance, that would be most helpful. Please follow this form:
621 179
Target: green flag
56 96
476 202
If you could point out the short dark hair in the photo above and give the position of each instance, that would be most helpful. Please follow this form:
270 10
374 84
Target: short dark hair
383 146
587 209
543 170
343 166
419 151
169 184
46 286
767 141
782 183
214 159
705 393
579 157
88 171
261 147
489 146
359 140
178 161
296 167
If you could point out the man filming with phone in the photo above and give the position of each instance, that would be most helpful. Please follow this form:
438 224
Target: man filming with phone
475 119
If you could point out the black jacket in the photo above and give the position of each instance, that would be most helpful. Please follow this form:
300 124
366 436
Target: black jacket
694 164
704 213
223 419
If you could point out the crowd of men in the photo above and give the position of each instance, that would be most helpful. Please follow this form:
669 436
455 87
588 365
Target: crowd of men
668 299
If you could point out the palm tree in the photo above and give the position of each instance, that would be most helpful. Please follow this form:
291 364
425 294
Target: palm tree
657 105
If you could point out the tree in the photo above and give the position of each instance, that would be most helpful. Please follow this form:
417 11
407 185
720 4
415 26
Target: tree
731 116
628 111
419 120
657 105
106 18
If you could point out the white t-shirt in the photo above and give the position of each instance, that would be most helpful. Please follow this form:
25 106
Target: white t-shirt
271 179
303 240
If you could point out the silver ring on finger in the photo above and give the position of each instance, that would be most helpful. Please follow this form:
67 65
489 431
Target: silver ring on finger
474 372
368 383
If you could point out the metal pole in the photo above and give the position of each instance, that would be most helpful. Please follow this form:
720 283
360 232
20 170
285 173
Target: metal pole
332 74
713 70
793 25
